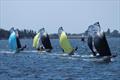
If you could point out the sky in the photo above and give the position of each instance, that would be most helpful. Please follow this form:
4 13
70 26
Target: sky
73 15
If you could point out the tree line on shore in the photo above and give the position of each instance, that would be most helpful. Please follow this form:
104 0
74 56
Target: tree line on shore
4 34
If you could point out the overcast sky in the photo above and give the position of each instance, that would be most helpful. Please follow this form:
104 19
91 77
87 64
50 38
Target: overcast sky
73 15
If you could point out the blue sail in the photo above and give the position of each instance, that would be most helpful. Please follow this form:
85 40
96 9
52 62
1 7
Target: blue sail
13 41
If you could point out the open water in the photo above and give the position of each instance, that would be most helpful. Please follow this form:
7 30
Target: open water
33 65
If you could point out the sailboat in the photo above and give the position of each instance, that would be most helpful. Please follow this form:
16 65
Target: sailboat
14 42
97 42
41 41
65 43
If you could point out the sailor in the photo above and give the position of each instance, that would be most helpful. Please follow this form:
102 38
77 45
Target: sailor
83 38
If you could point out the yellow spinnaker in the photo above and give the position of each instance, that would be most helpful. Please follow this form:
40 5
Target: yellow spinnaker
65 43
36 41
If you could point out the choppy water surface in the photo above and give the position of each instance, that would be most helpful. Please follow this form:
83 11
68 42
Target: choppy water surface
33 65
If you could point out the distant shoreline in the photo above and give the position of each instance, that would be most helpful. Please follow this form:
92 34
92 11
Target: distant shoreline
29 34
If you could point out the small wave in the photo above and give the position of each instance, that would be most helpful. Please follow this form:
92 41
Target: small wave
87 56
7 52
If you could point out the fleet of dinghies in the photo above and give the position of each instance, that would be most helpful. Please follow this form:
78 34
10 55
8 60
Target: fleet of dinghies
96 41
